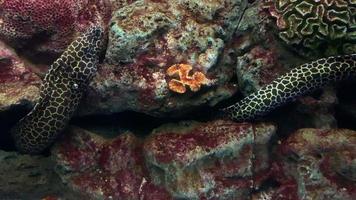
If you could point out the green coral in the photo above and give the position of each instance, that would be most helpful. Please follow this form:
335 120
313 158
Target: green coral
313 27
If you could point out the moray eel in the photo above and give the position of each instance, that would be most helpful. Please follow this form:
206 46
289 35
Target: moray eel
288 87
60 93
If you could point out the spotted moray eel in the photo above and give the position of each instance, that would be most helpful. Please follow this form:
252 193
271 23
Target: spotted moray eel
298 81
60 93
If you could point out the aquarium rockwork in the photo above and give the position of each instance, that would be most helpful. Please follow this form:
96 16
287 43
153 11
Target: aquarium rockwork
177 100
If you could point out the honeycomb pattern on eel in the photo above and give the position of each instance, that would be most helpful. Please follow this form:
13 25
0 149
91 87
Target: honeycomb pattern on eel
60 93
288 87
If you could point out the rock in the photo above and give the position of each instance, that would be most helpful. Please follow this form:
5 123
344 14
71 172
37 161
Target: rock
317 112
219 159
50 25
18 83
148 37
260 58
257 68
318 164
30 177
104 168
191 160
23 172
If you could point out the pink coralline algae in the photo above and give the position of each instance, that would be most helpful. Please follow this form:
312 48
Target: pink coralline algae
317 164
55 22
17 81
205 160
105 168
220 159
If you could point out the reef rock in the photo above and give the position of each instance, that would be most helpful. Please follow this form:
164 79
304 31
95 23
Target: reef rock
146 38
51 25
317 164
215 160
191 160
18 82
25 172
30 177
257 68
104 168
317 112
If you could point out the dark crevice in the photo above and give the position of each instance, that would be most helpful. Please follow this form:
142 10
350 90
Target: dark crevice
8 119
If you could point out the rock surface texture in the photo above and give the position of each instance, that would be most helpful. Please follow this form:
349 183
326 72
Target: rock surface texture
50 25
105 168
317 164
18 83
148 37
217 160
189 160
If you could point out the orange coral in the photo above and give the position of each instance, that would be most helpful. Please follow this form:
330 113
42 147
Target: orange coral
182 70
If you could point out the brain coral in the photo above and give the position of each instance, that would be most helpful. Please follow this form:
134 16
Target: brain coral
314 25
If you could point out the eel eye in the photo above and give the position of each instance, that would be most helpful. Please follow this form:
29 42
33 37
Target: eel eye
75 86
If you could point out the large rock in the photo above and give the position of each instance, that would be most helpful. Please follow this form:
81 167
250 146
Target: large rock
105 168
189 160
215 160
147 37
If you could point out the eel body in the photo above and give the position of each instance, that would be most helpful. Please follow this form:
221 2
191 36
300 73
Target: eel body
288 87
60 93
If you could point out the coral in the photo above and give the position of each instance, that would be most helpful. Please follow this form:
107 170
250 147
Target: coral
105 168
298 81
61 92
194 81
207 160
54 22
327 25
